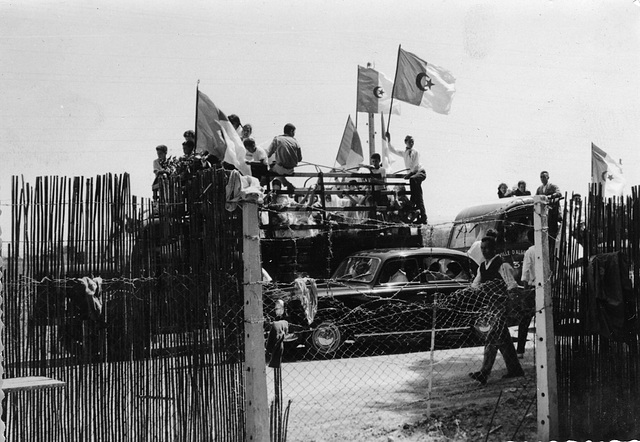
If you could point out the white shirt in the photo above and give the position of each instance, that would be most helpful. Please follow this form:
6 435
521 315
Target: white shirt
475 252
383 176
529 266
399 276
259 156
506 271
411 158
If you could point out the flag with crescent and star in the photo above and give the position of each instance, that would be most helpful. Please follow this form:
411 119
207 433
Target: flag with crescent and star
374 92
606 171
216 135
423 84
350 151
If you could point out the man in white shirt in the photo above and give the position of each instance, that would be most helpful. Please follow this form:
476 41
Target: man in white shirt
415 174
256 158
528 281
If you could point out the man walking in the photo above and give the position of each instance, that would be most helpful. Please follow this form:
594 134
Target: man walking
494 269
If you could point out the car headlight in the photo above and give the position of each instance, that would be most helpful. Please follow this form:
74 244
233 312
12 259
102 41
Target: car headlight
279 306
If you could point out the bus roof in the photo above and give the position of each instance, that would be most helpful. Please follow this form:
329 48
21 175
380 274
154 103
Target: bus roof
493 209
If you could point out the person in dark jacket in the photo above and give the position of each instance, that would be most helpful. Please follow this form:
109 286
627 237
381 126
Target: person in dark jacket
498 276
521 190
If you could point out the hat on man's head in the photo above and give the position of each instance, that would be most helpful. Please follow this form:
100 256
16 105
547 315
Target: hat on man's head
189 134
161 148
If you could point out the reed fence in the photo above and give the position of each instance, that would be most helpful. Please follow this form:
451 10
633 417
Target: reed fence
155 351
598 374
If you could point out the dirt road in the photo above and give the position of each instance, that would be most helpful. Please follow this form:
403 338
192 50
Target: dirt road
407 397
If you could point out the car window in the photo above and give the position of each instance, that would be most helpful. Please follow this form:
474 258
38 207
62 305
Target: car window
447 268
401 270
357 268
516 228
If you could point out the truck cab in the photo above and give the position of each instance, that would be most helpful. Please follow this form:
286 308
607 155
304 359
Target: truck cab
510 217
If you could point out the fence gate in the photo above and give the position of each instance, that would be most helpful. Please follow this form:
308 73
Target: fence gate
136 305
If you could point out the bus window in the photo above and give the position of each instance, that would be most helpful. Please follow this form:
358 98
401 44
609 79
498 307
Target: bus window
465 234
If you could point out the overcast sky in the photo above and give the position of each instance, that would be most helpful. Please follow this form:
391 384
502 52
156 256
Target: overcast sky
90 87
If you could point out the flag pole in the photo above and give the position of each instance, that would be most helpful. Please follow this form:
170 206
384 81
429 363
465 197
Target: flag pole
393 90
592 165
195 148
384 158
357 92
372 127
372 136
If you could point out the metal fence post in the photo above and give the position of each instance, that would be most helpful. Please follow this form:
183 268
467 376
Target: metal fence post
2 396
545 340
256 401
431 355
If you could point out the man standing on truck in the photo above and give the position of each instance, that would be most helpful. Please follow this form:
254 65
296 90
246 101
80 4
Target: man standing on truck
415 174
553 194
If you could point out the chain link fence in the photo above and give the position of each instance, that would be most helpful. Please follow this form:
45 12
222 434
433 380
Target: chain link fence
348 369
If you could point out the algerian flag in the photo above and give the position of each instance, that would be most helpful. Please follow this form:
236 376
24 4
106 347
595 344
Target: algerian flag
423 84
374 92
606 171
350 151
216 135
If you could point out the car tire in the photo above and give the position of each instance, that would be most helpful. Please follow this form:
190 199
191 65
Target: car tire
325 339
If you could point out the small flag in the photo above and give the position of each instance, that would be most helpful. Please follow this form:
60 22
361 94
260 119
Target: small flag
216 135
423 84
374 92
350 152
606 171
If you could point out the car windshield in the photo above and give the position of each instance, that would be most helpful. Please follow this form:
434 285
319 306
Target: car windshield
357 268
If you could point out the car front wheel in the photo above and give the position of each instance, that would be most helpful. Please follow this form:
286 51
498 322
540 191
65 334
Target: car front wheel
325 339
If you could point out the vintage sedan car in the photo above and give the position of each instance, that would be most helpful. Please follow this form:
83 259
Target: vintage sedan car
376 294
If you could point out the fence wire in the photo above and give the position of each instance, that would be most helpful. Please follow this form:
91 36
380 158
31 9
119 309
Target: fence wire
346 368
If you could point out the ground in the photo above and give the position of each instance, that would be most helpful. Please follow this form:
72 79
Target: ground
467 420
384 399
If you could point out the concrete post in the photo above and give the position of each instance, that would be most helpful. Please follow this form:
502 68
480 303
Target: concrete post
256 399
545 340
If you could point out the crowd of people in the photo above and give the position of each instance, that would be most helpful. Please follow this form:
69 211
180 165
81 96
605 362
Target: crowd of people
546 188
274 164
362 200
